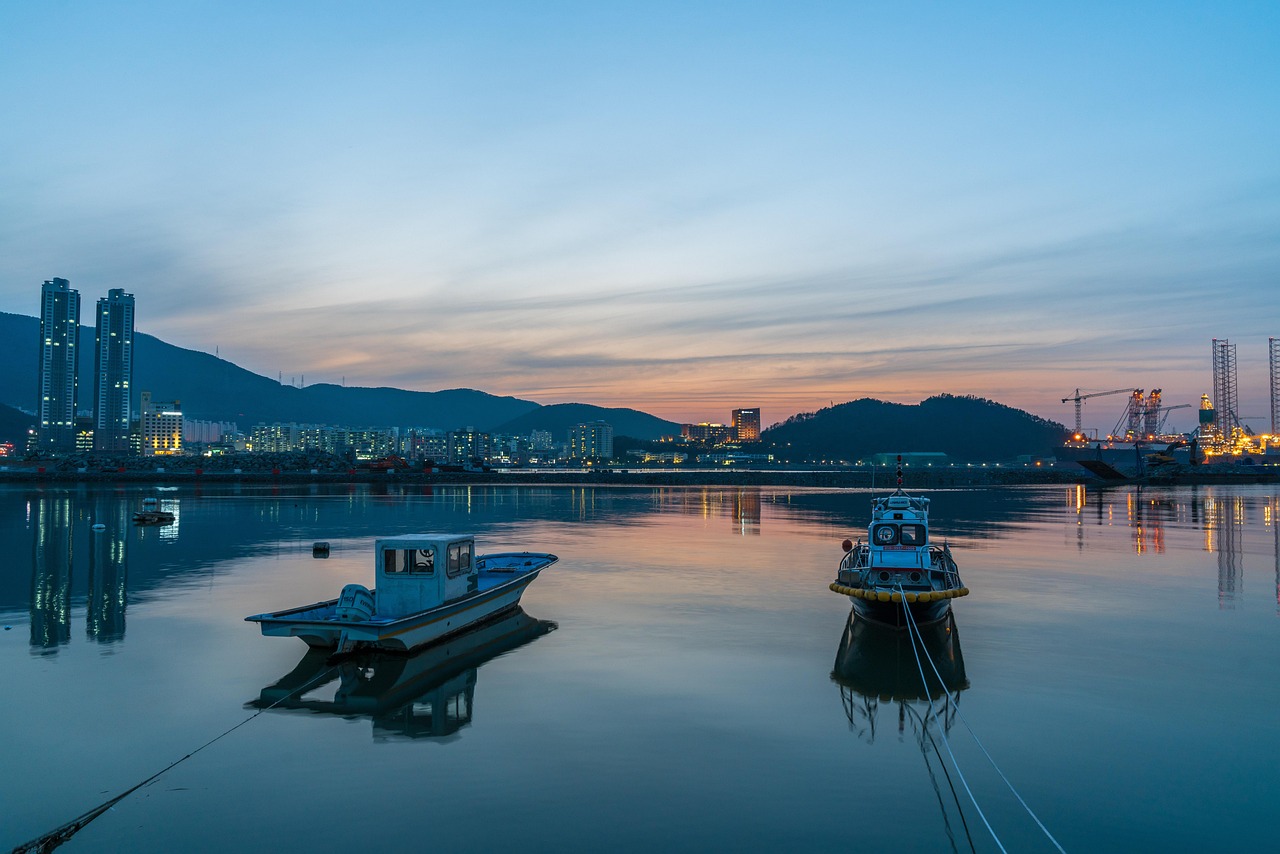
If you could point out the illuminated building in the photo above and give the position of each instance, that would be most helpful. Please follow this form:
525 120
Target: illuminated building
707 434
84 434
113 371
59 366
468 446
746 424
592 440
161 427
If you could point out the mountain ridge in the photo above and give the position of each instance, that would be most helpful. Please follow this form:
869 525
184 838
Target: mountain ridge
213 389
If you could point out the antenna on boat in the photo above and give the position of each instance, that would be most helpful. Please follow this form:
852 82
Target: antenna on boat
899 471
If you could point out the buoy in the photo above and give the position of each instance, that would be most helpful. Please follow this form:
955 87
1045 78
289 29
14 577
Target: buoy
847 545
883 596
320 550
911 597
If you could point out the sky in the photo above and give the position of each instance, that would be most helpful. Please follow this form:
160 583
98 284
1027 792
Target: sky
680 207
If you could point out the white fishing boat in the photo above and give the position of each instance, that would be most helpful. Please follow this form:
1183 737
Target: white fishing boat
428 587
899 570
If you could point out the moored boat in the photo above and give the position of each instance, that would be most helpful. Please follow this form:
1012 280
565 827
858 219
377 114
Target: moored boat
428 587
899 570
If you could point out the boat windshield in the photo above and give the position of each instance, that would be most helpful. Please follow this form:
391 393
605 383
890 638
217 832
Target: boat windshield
889 534
416 561
912 535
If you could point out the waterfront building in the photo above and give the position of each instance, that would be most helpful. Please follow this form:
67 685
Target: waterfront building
746 424
468 446
707 434
198 432
59 366
84 434
593 440
423 443
372 443
113 371
161 427
540 440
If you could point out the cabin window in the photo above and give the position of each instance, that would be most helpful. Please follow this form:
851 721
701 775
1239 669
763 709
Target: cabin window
459 559
885 535
912 535
393 561
422 561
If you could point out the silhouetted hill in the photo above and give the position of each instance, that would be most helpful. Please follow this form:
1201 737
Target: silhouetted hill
964 428
216 390
559 417
14 426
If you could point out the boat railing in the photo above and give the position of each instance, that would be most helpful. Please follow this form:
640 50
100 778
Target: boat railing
943 566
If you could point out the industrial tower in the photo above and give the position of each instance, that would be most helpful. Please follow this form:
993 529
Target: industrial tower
1274 347
1224 387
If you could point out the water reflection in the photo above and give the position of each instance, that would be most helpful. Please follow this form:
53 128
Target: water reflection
108 573
1220 517
878 666
71 568
425 695
51 557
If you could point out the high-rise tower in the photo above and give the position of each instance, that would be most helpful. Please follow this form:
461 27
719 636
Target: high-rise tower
59 365
746 425
113 372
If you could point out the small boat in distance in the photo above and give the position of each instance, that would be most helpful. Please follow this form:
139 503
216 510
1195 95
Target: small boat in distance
899 570
153 517
429 587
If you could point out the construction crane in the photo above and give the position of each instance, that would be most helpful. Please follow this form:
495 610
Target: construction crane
1081 398
1165 415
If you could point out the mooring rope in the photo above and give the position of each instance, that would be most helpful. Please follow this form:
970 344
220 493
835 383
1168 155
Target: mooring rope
978 741
59 835
955 796
942 730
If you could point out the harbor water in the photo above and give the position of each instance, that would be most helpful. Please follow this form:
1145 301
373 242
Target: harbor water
682 680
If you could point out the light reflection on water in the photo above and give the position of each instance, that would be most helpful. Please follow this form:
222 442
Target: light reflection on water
1119 661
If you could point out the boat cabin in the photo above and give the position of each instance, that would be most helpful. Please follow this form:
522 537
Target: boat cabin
420 571
899 533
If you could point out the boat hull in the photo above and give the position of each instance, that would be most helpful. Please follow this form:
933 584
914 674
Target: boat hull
397 635
892 613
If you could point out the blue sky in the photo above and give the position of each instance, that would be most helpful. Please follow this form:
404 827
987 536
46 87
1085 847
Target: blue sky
683 207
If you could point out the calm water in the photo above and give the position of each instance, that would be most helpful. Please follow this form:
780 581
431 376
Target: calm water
681 680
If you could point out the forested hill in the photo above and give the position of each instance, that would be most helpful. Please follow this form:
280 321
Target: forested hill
214 389
964 428
559 417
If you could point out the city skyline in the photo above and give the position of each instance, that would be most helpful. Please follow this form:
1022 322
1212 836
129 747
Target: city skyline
675 212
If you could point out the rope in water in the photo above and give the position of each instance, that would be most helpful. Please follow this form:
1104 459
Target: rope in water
59 835
955 796
911 624
942 730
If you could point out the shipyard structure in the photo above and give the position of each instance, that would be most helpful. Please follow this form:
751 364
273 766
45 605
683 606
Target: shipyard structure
1219 436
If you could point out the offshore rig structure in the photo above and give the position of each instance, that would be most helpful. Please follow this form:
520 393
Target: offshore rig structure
1219 436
